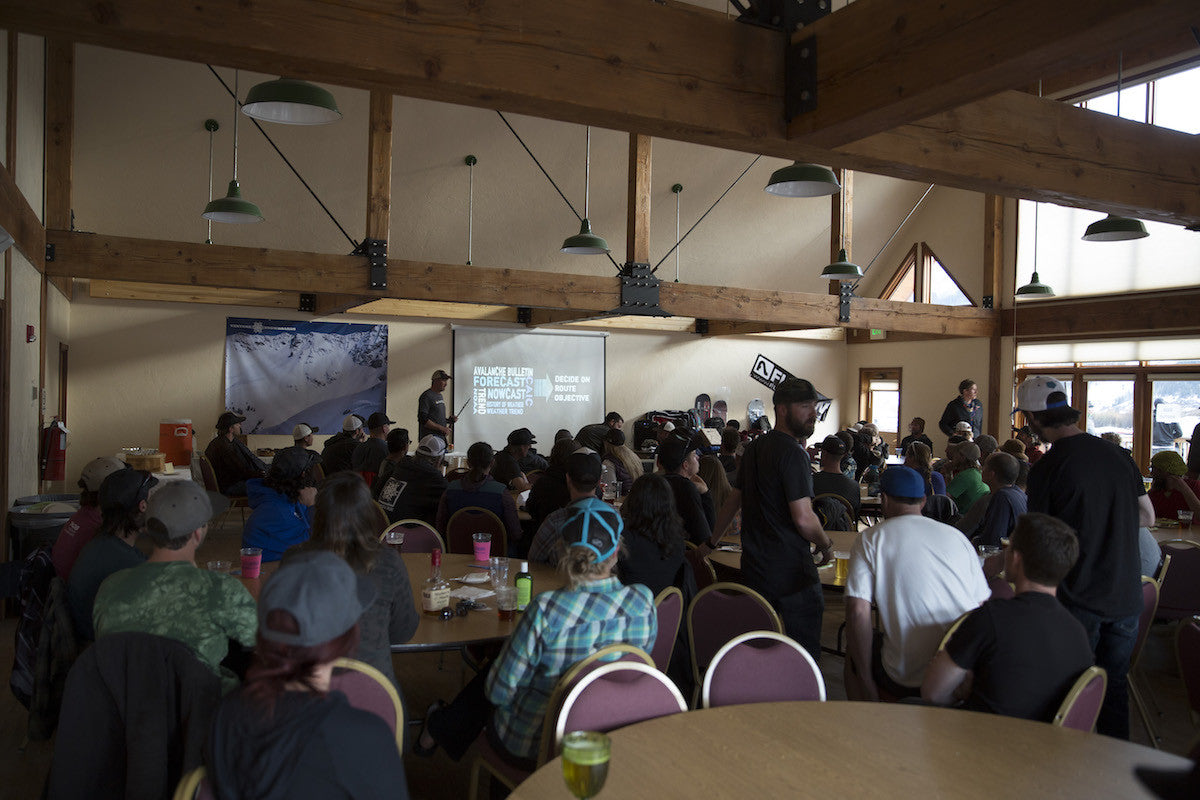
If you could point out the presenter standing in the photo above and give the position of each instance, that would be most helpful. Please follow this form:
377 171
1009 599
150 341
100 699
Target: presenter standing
431 409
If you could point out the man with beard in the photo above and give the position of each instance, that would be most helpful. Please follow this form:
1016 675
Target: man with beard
773 489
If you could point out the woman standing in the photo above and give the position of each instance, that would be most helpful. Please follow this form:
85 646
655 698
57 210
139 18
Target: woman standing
653 535
284 734
964 408
347 523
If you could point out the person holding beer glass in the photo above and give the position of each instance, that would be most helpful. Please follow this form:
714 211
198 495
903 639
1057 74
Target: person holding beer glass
558 628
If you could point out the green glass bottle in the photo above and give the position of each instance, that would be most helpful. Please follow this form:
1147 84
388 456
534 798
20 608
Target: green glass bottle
524 584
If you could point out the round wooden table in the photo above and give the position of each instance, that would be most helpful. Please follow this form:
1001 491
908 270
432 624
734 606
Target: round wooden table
842 542
851 750
478 626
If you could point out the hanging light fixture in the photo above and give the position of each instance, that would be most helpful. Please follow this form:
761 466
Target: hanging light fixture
1113 228
585 243
291 102
842 269
1035 288
233 208
803 180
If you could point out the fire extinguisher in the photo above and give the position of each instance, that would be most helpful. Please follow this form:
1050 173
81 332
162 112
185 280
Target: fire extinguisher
54 451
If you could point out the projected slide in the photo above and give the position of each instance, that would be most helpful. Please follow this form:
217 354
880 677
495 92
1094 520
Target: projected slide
506 379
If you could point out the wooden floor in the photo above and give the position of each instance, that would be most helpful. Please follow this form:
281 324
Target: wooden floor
426 677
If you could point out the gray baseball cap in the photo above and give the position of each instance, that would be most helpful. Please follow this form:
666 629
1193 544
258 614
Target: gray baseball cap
97 470
320 590
181 507
431 446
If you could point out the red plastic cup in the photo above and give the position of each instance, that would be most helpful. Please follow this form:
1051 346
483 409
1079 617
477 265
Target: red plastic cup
251 562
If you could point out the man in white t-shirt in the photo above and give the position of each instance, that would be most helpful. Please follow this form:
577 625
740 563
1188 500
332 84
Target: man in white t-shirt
921 574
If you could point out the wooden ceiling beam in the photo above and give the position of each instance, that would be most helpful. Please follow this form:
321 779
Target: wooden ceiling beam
882 64
330 304
1132 314
100 257
657 70
158 292
1174 50
21 221
60 131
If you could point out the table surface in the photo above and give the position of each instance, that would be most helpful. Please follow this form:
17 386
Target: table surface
1191 534
842 749
478 626
842 542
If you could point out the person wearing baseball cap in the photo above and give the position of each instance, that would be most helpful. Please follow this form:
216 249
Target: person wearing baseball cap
583 475
168 595
921 574
431 408
81 528
371 452
516 459
281 504
302 437
478 488
284 733
339 448
123 498
1095 487
413 486
231 460
773 489
831 480
557 629
680 465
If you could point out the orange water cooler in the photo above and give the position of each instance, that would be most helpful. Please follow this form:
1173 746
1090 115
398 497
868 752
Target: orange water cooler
175 440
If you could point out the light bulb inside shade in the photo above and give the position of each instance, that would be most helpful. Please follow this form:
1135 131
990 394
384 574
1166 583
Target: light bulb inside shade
291 102
232 208
585 243
1115 229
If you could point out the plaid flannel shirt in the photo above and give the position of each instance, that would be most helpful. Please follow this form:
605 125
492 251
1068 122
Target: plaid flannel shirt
558 629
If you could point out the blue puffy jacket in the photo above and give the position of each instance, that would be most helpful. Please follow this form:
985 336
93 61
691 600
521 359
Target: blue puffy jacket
276 523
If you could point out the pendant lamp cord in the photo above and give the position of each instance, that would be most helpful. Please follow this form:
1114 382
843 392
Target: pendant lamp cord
470 204
679 241
236 109
1120 65
552 183
211 136
587 168
895 233
270 141
677 193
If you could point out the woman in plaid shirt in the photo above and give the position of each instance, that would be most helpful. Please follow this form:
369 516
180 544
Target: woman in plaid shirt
558 629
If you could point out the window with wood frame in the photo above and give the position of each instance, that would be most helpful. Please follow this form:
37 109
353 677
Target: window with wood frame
879 401
922 277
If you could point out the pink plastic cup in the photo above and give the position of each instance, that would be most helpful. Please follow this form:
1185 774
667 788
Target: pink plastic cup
251 562
483 546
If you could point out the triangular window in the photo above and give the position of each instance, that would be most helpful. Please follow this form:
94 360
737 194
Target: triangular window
922 277
903 285
943 289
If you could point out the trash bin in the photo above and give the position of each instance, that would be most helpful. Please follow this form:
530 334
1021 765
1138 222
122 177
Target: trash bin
34 524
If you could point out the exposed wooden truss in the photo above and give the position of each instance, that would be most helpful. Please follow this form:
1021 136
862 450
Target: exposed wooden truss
1170 313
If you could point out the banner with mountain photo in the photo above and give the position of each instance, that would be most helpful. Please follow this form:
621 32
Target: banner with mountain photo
279 373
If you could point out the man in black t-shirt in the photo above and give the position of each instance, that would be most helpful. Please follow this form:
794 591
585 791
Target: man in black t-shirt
1093 486
1017 657
830 479
773 489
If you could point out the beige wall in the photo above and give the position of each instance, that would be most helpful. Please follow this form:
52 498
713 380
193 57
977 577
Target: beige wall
133 364
23 381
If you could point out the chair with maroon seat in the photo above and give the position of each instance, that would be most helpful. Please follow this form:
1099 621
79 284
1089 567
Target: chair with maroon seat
194 785
761 667
1145 620
369 689
471 520
1179 595
419 536
702 568
491 763
717 614
614 695
208 477
1081 706
669 605
1187 650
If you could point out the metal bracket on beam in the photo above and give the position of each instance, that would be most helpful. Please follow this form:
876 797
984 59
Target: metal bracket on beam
988 301
376 252
524 315
308 302
639 291
702 326
844 296
800 78
49 251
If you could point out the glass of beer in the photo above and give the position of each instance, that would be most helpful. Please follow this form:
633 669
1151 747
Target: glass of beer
842 562
585 762
506 602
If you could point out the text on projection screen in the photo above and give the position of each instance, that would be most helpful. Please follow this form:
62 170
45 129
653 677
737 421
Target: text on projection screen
505 380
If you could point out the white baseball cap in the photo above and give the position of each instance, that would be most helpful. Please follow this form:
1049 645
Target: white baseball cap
303 430
431 446
351 423
1035 392
98 469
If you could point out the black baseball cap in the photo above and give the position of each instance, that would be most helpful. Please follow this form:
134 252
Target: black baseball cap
794 390
521 436
125 488
228 420
672 453
378 420
833 445
584 468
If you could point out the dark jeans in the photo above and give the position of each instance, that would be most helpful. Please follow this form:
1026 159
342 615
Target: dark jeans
456 726
883 681
801 614
1112 642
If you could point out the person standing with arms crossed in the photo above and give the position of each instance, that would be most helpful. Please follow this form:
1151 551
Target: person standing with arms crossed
773 489
431 409
964 408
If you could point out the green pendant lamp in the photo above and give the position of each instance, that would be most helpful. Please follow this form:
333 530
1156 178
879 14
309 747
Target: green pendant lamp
233 208
1115 229
843 269
803 180
1035 288
291 102
585 243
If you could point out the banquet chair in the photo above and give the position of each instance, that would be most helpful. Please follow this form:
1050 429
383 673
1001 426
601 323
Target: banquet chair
370 690
208 477
419 536
194 785
456 474
1179 595
761 667
1145 620
954 626
470 520
942 508
830 507
488 763
717 614
534 475
1081 706
1001 589
669 606
1187 650
702 568
615 695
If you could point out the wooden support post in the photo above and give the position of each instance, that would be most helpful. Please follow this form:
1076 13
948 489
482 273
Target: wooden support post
637 239
379 166
993 270
60 131
841 227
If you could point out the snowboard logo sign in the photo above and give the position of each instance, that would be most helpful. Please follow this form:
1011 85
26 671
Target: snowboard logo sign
768 373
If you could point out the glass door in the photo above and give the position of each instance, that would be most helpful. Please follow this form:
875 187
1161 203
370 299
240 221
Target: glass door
1175 412
880 397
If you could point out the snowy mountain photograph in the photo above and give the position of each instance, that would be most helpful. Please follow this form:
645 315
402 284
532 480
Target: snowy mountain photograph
279 373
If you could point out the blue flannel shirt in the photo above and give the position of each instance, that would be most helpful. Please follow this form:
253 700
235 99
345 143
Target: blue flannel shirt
558 629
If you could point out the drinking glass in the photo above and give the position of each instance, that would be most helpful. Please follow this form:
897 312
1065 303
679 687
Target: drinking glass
1185 519
506 603
842 562
585 762
498 568
395 537
220 566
